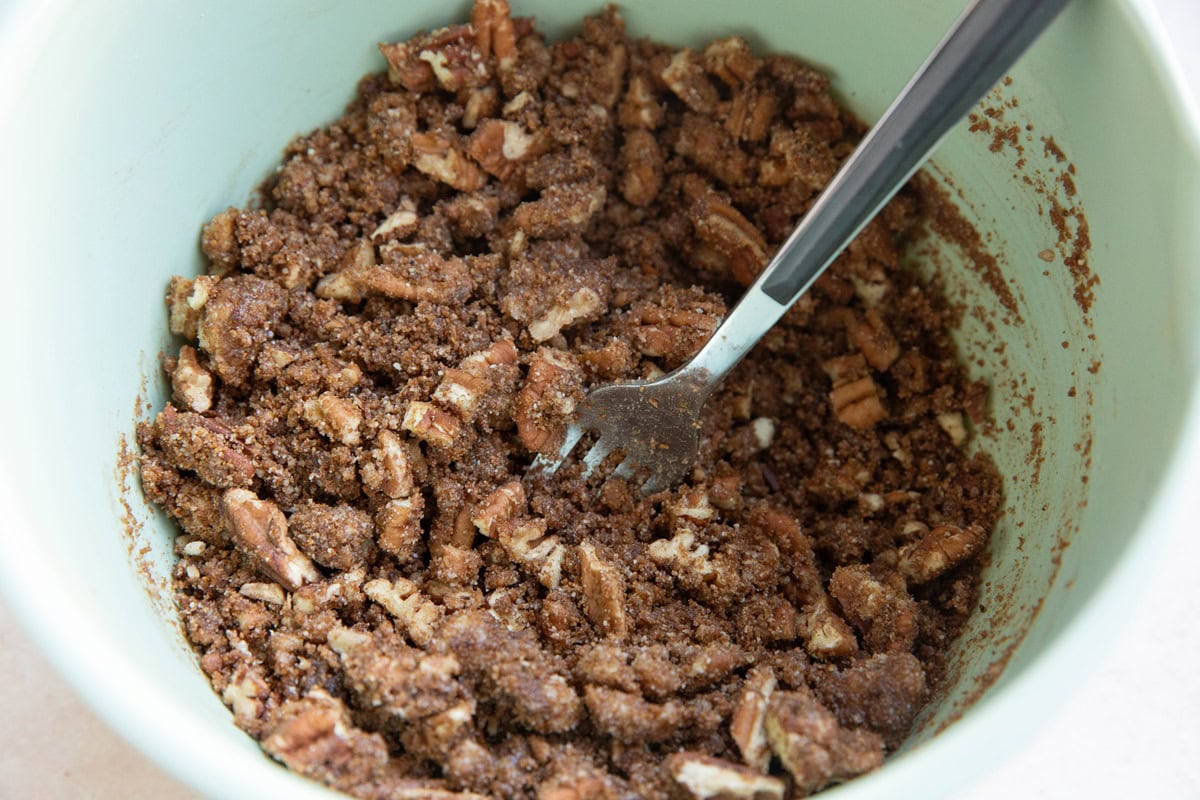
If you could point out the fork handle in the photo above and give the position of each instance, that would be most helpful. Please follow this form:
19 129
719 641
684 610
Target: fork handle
983 43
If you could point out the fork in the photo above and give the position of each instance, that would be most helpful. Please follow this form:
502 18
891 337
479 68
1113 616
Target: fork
656 424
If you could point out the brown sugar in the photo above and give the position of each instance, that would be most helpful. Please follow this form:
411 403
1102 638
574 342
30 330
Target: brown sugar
387 596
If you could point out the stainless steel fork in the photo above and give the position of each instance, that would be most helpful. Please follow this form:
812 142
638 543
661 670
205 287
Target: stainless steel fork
656 423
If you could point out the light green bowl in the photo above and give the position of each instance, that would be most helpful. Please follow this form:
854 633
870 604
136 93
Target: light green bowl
125 125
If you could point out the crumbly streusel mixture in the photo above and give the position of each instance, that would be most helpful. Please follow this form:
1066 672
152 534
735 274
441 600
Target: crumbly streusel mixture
379 589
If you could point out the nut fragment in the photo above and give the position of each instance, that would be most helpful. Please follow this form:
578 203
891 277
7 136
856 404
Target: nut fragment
337 418
259 529
528 544
400 223
723 228
604 592
437 156
854 396
460 392
747 727
943 547
417 613
269 593
191 384
730 60
500 506
685 76
951 422
813 747
185 303
547 400
431 424
709 778
870 334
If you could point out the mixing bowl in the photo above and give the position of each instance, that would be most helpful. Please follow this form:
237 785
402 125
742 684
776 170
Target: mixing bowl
125 125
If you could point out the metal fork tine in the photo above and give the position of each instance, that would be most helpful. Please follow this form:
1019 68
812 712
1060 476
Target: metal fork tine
550 466
624 470
596 455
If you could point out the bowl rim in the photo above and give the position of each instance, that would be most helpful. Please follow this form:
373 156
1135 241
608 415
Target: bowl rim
158 725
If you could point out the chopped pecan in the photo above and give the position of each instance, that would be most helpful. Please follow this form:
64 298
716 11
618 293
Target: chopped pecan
723 228
949 421
501 146
642 167
673 324
417 613
627 717
751 111
510 669
870 334
691 504
400 224
547 400
747 727
394 679
854 396
204 446
495 34
406 274
709 778
338 537
560 210
502 505
185 303
431 424
439 156
828 635
446 56
811 744
192 384
640 108
886 615
219 242
259 529
551 291
314 736
730 60
398 526
460 392
527 543
943 547
797 156
239 316
706 143
334 417
682 554
603 591
388 469
685 76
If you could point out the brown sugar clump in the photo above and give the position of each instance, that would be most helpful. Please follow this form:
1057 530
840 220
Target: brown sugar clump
374 580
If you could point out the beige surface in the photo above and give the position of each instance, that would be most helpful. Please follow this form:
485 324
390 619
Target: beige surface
54 746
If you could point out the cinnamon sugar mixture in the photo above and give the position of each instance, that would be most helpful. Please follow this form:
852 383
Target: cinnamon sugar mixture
376 584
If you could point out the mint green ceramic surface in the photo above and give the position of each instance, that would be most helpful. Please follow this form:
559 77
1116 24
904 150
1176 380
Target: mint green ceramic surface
125 125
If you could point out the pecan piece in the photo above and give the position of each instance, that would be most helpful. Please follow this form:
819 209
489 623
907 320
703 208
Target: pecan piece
811 744
431 424
259 529
192 384
709 778
747 727
854 396
603 591
685 76
642 173
943 547
546 402
438 156
730 60
185 303
722 227
560 210
204 446
418 614
336 418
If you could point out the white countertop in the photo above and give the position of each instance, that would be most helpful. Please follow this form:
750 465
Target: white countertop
1125 732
